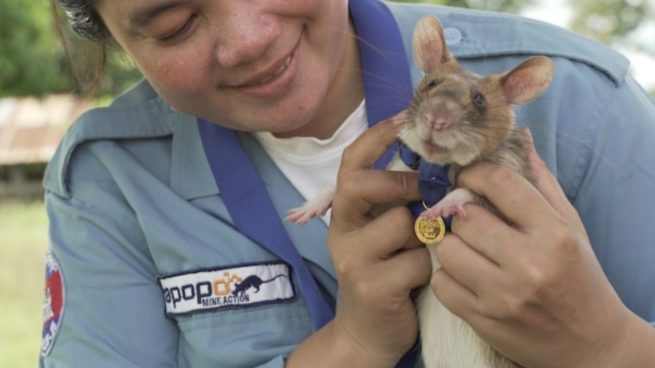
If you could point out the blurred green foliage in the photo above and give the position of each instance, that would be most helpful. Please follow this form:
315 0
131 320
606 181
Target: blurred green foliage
27 49
607 20
33 62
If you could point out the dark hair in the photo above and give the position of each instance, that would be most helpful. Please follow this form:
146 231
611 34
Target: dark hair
84 21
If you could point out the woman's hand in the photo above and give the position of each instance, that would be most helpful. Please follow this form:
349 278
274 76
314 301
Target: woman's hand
378 260
533 289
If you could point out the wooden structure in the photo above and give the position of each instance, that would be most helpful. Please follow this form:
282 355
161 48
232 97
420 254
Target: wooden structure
30 129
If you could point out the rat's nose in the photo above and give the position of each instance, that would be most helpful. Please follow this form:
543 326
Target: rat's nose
436 123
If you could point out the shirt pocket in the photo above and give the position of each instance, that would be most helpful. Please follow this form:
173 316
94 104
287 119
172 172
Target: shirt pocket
245 336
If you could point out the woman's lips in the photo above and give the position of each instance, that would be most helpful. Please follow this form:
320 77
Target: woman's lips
275 82
281 69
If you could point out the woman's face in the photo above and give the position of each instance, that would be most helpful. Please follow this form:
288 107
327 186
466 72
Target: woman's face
250 65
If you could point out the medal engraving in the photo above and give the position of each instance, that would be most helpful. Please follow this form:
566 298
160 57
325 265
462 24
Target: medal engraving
430 231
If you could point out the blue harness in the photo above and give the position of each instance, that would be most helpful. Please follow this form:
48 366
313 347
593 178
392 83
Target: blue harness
433 181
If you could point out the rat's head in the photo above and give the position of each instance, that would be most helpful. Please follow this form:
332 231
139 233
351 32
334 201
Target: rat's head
457 116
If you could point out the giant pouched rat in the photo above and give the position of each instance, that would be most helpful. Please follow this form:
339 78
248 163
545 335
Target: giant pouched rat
457 118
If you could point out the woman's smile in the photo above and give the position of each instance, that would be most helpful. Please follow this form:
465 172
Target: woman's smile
274 81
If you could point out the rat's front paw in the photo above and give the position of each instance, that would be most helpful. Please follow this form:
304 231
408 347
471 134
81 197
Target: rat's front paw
312 208
452 204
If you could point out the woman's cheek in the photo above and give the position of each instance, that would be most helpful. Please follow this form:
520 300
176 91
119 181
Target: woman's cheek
181 74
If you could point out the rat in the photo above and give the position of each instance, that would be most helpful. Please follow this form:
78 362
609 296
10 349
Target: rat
456 119
252 281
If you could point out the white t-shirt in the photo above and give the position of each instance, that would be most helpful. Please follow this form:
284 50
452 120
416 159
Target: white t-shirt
312 164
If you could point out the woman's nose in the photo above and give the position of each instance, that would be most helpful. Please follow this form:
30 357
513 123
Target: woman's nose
244 34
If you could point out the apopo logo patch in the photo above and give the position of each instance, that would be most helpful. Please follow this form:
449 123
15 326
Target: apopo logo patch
226 287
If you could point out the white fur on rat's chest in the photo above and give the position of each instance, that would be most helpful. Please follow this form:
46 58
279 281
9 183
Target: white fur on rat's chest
446 340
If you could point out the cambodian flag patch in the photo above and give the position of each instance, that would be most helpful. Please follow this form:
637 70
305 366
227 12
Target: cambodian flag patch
53 304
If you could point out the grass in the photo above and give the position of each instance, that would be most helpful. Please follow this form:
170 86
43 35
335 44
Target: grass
23 243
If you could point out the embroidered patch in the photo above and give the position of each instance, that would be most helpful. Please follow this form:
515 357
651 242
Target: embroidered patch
53 303
232 287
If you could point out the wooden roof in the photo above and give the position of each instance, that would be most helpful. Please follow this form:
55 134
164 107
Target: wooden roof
31 128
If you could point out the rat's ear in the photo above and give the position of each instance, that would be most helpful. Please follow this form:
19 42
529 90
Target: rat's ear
528 80
429 46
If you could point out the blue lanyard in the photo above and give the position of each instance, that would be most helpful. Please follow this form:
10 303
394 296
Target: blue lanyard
252 210
388 90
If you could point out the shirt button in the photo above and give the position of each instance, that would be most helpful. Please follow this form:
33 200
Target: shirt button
452 35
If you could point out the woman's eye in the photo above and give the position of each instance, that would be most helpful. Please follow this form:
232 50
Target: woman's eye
179 32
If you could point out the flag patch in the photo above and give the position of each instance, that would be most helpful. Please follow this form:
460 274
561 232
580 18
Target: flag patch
53 303
231 287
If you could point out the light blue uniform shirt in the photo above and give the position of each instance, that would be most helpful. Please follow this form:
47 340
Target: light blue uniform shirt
131 198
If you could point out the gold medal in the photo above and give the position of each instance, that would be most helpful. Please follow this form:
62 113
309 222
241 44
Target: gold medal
430 231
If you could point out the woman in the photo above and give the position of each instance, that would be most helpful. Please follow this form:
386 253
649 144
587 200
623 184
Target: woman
165 207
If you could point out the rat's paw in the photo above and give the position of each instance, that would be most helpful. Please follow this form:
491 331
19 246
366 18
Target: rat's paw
303 214
452 204
310 209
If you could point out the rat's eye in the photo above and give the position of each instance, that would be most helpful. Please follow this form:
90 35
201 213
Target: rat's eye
478 99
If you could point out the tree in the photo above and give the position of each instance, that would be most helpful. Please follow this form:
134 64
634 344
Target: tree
26 50
607 20
33 61
617 23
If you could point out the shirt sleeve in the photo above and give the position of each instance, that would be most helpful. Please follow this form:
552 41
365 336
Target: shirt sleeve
112 314
616 193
